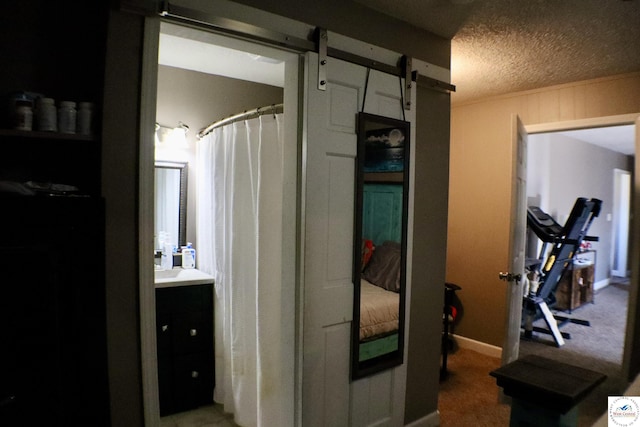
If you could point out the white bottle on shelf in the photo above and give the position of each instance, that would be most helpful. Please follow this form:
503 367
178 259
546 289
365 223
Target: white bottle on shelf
188 257
85 118
23 115
46 115
67 117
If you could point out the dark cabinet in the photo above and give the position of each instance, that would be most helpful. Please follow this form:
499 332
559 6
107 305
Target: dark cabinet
53 344
184 322
53 361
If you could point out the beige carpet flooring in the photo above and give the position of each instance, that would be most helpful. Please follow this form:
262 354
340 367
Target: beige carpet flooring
469 396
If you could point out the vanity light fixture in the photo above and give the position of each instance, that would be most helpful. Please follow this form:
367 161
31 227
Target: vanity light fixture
175 137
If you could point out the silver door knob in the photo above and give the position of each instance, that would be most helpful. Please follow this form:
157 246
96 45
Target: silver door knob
193 332
164 328
194 374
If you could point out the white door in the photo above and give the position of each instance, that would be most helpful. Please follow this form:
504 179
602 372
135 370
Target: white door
329 153
621 206
517 240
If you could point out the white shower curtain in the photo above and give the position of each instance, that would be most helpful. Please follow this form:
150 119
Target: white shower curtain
239 238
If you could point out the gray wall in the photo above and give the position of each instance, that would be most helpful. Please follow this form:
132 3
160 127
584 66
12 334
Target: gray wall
429 252
199 99
561 169
120 141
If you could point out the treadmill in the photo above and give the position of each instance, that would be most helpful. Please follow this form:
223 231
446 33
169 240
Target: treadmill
565 241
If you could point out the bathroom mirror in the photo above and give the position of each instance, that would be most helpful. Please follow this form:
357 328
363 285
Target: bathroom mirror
380 241
170 204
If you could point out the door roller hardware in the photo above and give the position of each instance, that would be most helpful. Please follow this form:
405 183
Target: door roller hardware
408 80
322 58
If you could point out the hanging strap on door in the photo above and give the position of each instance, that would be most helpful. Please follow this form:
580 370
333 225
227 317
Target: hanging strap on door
403 104
366 86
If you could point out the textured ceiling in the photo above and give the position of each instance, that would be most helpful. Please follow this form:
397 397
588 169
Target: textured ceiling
502 46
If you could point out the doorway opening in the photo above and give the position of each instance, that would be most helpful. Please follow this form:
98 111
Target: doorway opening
590 162
203 77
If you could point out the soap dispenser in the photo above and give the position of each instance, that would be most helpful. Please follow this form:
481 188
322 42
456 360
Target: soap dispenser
188 257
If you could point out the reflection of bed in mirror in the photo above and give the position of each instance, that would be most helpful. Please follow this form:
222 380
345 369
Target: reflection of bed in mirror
379 311
379 299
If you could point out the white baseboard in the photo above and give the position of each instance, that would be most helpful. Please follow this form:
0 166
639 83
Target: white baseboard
430 420
492 350
601 284
480 347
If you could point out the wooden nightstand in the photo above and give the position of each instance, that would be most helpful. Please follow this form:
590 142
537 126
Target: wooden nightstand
576 286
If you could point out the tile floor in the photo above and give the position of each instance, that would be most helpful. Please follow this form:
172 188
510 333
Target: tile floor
206 416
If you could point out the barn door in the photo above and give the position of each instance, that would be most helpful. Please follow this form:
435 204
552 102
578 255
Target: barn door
328 168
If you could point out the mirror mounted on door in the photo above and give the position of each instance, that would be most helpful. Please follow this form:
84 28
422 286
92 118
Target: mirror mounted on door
380 244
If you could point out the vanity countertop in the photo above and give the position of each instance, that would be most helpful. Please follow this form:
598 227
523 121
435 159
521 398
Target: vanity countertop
179 276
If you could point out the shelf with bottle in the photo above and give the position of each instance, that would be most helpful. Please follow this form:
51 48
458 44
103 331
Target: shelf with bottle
50 158
34 134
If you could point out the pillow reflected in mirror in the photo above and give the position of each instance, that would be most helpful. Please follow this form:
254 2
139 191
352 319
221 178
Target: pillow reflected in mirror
383 269
366 253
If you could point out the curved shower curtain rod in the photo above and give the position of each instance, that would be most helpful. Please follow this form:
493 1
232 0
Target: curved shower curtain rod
256 112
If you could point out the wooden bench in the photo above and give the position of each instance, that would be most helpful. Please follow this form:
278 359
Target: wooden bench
545 391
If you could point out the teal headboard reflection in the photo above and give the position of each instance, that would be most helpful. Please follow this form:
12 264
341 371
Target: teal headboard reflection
382 212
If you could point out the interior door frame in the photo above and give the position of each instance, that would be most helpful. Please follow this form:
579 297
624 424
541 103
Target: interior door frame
146 203
631 356
148 95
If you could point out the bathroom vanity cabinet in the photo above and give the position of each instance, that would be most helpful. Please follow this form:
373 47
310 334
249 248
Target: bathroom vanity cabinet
184 324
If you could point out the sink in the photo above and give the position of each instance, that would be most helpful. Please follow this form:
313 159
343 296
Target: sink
167 274
180 277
